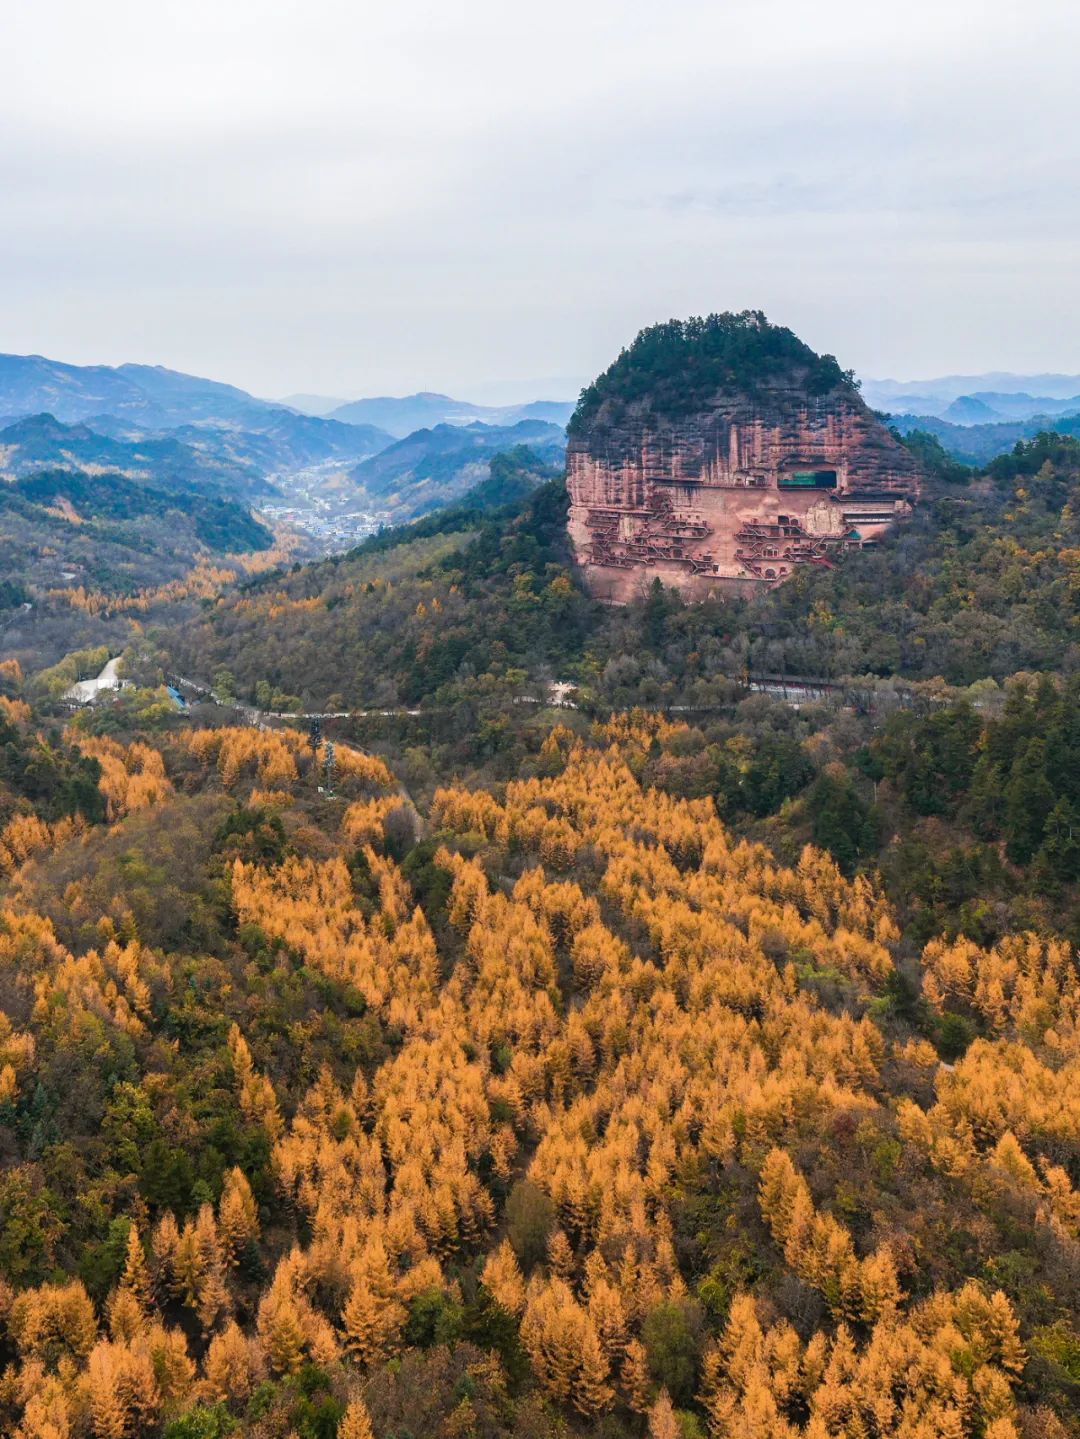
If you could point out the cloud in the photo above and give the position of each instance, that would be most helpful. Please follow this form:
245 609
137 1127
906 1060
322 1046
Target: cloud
361 196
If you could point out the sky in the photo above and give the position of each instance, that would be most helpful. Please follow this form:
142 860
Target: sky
490 197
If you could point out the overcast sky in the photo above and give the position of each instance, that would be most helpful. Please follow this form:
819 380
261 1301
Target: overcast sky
361 197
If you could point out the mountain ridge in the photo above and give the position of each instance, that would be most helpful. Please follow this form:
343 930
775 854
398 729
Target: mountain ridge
977 444
881 392
146 401
37 442
405 414
432 467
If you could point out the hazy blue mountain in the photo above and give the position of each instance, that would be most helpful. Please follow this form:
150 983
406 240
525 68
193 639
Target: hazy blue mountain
970 410
146 394
433 466
312 404
404 415
935 395
1025 407
504 393
31 384
276 440
148 401
908 404
188 397
231 459
982 406
555 412
282 440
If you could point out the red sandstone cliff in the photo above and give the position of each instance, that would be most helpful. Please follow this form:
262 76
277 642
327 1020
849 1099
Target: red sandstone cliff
742 491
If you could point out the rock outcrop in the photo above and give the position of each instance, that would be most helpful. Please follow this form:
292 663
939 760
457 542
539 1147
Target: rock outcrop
732 485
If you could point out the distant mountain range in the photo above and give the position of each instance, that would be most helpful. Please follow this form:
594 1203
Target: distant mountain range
977 399
989 407
312 404
979 416
405 454
276 439
139 403
41 442
432 467
402 416
975 444
951 387
147 395
145 420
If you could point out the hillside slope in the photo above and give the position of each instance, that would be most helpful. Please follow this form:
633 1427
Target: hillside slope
110 532
468 592
83 555
43 442
435 467
570 1116
978 444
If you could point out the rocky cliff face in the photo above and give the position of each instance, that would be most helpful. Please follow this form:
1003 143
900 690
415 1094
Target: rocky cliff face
741 492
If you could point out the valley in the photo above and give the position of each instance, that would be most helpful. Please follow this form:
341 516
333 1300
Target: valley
320 504
135 491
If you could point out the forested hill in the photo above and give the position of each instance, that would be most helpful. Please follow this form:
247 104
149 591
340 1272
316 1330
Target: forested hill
465 591
81 554
41 442
217 523
548 1110
683 365
436 467
977 444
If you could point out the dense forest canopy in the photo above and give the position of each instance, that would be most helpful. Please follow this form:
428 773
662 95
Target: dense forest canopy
503 1114
86 557
220 524
681 365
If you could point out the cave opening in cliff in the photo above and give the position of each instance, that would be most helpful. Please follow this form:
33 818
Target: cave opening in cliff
807 480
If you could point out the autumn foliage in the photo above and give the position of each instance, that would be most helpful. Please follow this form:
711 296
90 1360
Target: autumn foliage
610 1110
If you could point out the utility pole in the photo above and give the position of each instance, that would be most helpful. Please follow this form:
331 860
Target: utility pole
315 741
